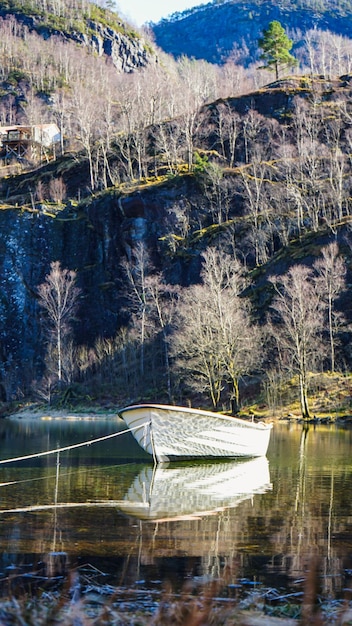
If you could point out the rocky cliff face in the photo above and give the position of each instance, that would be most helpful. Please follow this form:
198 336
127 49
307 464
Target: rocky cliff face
87 243
92 241
128 52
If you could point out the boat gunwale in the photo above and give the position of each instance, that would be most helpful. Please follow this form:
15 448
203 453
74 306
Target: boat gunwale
193 411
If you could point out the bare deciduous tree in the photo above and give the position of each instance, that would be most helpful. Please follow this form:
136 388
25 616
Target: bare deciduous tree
297 324
217 189
326 53
163 299
254 180
84 113
151 304
137 270
228 130
195 346
57 190
58 296
331 270
216 341
169 145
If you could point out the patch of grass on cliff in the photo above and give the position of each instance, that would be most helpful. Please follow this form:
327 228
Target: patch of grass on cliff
16 76
70 18
17 6
176 245
109 19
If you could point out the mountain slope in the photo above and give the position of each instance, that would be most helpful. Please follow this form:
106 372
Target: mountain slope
100 30
177 217
235 24
163 160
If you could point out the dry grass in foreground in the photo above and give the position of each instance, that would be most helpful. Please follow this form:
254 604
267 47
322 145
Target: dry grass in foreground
193 607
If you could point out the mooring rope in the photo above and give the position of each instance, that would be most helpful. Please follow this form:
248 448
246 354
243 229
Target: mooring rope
75 445
51 476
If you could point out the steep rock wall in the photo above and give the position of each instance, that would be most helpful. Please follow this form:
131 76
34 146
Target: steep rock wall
128 53
92 242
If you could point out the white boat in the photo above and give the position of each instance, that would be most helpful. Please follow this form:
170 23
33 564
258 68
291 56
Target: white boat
173 492
172 433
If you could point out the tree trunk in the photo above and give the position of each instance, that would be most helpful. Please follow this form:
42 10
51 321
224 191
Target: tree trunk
235 397
59 359
331 333
303 397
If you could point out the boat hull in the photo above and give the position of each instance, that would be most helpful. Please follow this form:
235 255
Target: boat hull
173 433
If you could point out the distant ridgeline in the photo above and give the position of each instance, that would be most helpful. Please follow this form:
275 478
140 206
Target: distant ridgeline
234 26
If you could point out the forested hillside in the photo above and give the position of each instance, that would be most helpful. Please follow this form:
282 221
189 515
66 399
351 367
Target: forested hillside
233 28
185 235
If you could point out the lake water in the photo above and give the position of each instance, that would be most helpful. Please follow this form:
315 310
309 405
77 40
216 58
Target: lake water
105 510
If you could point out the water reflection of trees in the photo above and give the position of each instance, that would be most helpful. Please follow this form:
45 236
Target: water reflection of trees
270 537
316 513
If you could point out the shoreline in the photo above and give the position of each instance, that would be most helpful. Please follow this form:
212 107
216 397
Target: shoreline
52 414
108 414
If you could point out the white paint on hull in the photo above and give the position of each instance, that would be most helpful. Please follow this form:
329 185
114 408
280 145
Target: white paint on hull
169 432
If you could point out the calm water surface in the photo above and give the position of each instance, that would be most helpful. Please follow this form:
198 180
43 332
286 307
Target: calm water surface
105 509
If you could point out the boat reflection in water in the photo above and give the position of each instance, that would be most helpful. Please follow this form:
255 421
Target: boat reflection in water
183 511
170 492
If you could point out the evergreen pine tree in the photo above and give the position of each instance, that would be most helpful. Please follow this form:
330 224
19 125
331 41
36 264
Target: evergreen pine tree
276 48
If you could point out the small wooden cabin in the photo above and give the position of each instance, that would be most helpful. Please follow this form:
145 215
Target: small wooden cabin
25 142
